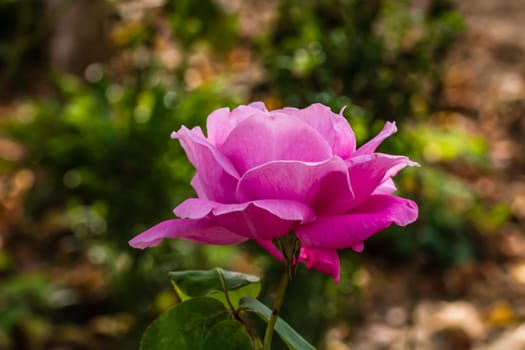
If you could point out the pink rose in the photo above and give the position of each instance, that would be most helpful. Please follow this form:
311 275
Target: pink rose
262 174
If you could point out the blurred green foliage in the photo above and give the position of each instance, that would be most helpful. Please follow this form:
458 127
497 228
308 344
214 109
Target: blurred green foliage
102 158
25 301
110 167
383 55
195 22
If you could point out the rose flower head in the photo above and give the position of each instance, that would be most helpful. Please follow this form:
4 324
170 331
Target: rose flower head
262 174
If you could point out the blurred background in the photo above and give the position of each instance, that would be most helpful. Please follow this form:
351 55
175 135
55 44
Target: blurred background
90 91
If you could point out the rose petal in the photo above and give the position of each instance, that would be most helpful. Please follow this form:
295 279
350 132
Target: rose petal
370 147
219 125
345 231
324 186
263 138
333 127
217 178
325 261
258 105
201 231
387 187
221 122
261 219
358 247
197 186
368 172
195 208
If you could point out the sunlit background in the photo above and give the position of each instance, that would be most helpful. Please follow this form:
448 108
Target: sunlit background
90 91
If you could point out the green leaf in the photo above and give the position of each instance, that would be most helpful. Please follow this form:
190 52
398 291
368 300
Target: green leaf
184 326
215 283
227 335
290 337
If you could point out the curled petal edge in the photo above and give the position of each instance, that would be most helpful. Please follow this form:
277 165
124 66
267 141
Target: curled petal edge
324 261
196 208
201 231
389 129
352 229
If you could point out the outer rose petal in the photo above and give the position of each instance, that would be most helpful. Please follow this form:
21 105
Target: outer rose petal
197 186
334 128
349 231
324 186
217 178
258 105
260 220
325 261
371 146
221 122
387 187
368 172
263 138
202 231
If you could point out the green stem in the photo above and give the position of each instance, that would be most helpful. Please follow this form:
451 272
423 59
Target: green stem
277 306
234 312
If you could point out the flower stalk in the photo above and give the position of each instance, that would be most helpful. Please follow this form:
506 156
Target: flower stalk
289 246
281 290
